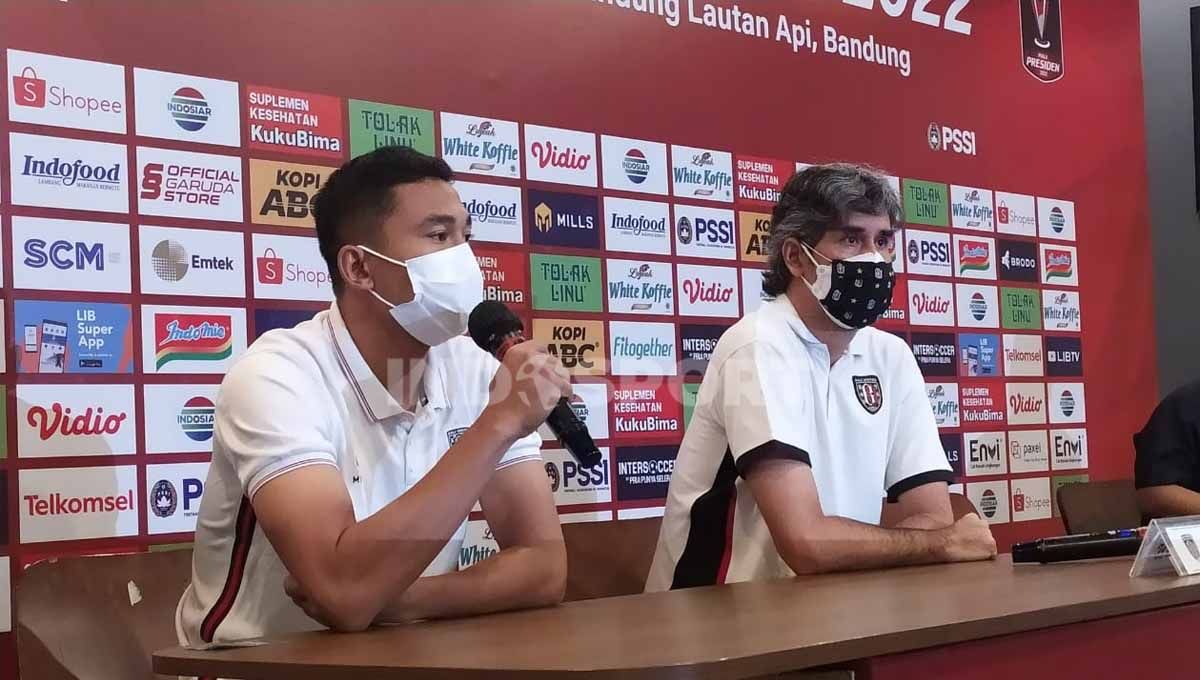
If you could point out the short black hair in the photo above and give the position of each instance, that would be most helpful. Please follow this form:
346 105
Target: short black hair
820 198
357 198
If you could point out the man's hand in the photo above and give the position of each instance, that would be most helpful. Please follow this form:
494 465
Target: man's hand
527 386
968 540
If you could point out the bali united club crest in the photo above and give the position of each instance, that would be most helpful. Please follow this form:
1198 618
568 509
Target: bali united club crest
869 392
1041 39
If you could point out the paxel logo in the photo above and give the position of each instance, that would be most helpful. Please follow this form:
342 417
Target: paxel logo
65 255
951 139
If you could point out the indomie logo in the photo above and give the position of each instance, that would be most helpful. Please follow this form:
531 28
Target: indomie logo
1058 264
192 337
973 256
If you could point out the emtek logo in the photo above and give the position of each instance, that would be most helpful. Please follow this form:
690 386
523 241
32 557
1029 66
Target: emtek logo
945 138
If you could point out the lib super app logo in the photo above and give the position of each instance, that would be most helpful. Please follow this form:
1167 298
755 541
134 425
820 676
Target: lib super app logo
702 173
560 156
186 107
634 165
72 337
191 339
193 185
70 93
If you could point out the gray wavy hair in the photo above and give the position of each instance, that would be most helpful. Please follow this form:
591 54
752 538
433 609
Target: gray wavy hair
820 198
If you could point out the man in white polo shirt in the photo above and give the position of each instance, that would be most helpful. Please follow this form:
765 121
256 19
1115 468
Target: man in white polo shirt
807 417
349 450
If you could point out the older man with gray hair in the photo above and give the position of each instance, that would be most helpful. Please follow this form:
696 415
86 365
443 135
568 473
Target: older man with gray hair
807 417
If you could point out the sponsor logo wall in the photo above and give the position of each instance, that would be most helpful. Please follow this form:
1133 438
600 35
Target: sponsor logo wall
627 257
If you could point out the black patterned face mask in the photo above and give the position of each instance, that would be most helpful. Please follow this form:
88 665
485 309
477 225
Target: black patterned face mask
854 292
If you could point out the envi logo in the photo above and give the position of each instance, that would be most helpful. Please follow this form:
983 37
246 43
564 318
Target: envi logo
560 156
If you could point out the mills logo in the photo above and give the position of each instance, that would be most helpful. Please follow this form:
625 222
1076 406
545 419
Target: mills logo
1041 39
974 256
59 421
196 419
636 166
564 219
189 109
192 337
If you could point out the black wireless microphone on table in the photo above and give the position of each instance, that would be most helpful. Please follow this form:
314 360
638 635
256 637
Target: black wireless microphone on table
495 329
1117 543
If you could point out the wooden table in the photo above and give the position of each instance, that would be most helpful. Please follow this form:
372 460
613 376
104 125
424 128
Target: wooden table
753 629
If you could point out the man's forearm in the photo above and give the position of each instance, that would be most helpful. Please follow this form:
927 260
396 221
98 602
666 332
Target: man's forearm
1170 500
840 544
514 578
378 558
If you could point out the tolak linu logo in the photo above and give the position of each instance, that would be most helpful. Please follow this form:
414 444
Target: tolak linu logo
1041 39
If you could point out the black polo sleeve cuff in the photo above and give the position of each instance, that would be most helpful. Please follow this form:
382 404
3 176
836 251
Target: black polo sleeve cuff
772 450
899 488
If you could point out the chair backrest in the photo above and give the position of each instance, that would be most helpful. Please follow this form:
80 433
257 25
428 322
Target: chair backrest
98 618
605 559
1099 506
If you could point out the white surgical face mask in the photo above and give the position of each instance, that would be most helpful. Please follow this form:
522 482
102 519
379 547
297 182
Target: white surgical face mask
446 284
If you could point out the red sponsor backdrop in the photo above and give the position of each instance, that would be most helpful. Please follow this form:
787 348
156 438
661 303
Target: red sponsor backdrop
568 64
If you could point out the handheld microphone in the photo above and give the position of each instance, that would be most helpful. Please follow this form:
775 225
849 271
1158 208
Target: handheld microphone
1115 543
496 329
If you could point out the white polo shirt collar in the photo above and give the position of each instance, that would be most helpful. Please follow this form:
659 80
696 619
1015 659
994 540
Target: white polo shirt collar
785 307
375 398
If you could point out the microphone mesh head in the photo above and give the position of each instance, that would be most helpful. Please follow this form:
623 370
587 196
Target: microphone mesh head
490 322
